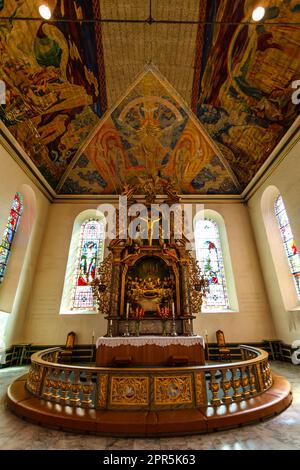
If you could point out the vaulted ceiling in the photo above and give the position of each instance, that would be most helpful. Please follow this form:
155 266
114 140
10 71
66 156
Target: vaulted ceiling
62 76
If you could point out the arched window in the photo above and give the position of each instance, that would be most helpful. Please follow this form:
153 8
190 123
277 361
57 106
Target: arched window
90 254
9 232
209 255
288 242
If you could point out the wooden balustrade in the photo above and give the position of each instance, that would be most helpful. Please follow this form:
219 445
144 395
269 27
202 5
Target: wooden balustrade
98 387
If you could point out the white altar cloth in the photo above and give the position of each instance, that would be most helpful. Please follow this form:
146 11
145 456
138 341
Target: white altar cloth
143 340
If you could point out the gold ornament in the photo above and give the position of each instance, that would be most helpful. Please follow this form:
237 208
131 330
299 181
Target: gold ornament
174 389
199 286
129 391
102 285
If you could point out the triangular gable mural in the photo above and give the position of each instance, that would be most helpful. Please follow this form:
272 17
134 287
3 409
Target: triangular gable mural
150 132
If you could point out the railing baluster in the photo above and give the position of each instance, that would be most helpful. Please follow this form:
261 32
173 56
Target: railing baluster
226 386
214 387
87 389
266 372
48 384
75 387
245 382
269 374
252 380
65 387
236 383
56 385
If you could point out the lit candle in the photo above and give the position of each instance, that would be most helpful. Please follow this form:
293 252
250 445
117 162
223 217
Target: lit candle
173 311
93 336
127 311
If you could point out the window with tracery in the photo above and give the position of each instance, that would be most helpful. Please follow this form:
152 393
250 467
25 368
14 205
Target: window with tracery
90 255
288 242
210 257
9 233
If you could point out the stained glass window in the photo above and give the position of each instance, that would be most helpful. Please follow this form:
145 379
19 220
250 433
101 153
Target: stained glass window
209 255
9 232
288 242
91 250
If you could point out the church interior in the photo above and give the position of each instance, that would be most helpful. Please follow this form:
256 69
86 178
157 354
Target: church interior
149 224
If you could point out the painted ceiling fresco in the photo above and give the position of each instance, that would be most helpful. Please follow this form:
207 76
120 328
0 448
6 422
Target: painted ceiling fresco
53 78
244 86
149 133
61 76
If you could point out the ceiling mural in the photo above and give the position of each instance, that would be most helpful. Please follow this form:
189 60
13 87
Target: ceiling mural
61 76
51 72
244 88
150 133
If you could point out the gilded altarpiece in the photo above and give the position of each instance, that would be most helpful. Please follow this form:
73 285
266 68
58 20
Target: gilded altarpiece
150 284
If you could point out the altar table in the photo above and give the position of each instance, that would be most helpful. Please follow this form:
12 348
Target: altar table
150 350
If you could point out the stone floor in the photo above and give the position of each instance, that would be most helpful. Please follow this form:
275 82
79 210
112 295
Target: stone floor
280 432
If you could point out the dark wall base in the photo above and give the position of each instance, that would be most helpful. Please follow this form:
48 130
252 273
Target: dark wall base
85 353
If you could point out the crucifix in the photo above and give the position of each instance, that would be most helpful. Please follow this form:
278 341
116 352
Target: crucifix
150 222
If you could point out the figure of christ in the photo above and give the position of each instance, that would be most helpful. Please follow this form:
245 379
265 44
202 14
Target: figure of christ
150 222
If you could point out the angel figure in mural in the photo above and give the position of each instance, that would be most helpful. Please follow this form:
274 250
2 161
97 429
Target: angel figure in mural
182 156
194 164
115 160
102 165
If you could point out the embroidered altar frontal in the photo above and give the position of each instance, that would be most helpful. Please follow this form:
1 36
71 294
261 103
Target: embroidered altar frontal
150 350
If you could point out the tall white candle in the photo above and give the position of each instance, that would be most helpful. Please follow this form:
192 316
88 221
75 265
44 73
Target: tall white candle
205 332
127 311
173 311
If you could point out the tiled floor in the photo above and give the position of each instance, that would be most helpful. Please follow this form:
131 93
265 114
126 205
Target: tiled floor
281 432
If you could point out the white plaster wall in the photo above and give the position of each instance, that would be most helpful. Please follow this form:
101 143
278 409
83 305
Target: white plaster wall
286 178
16 287
252 322
46 326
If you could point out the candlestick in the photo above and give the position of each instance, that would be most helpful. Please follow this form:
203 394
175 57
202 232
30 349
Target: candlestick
110 328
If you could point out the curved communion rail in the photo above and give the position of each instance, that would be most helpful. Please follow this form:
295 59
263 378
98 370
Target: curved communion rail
155 401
